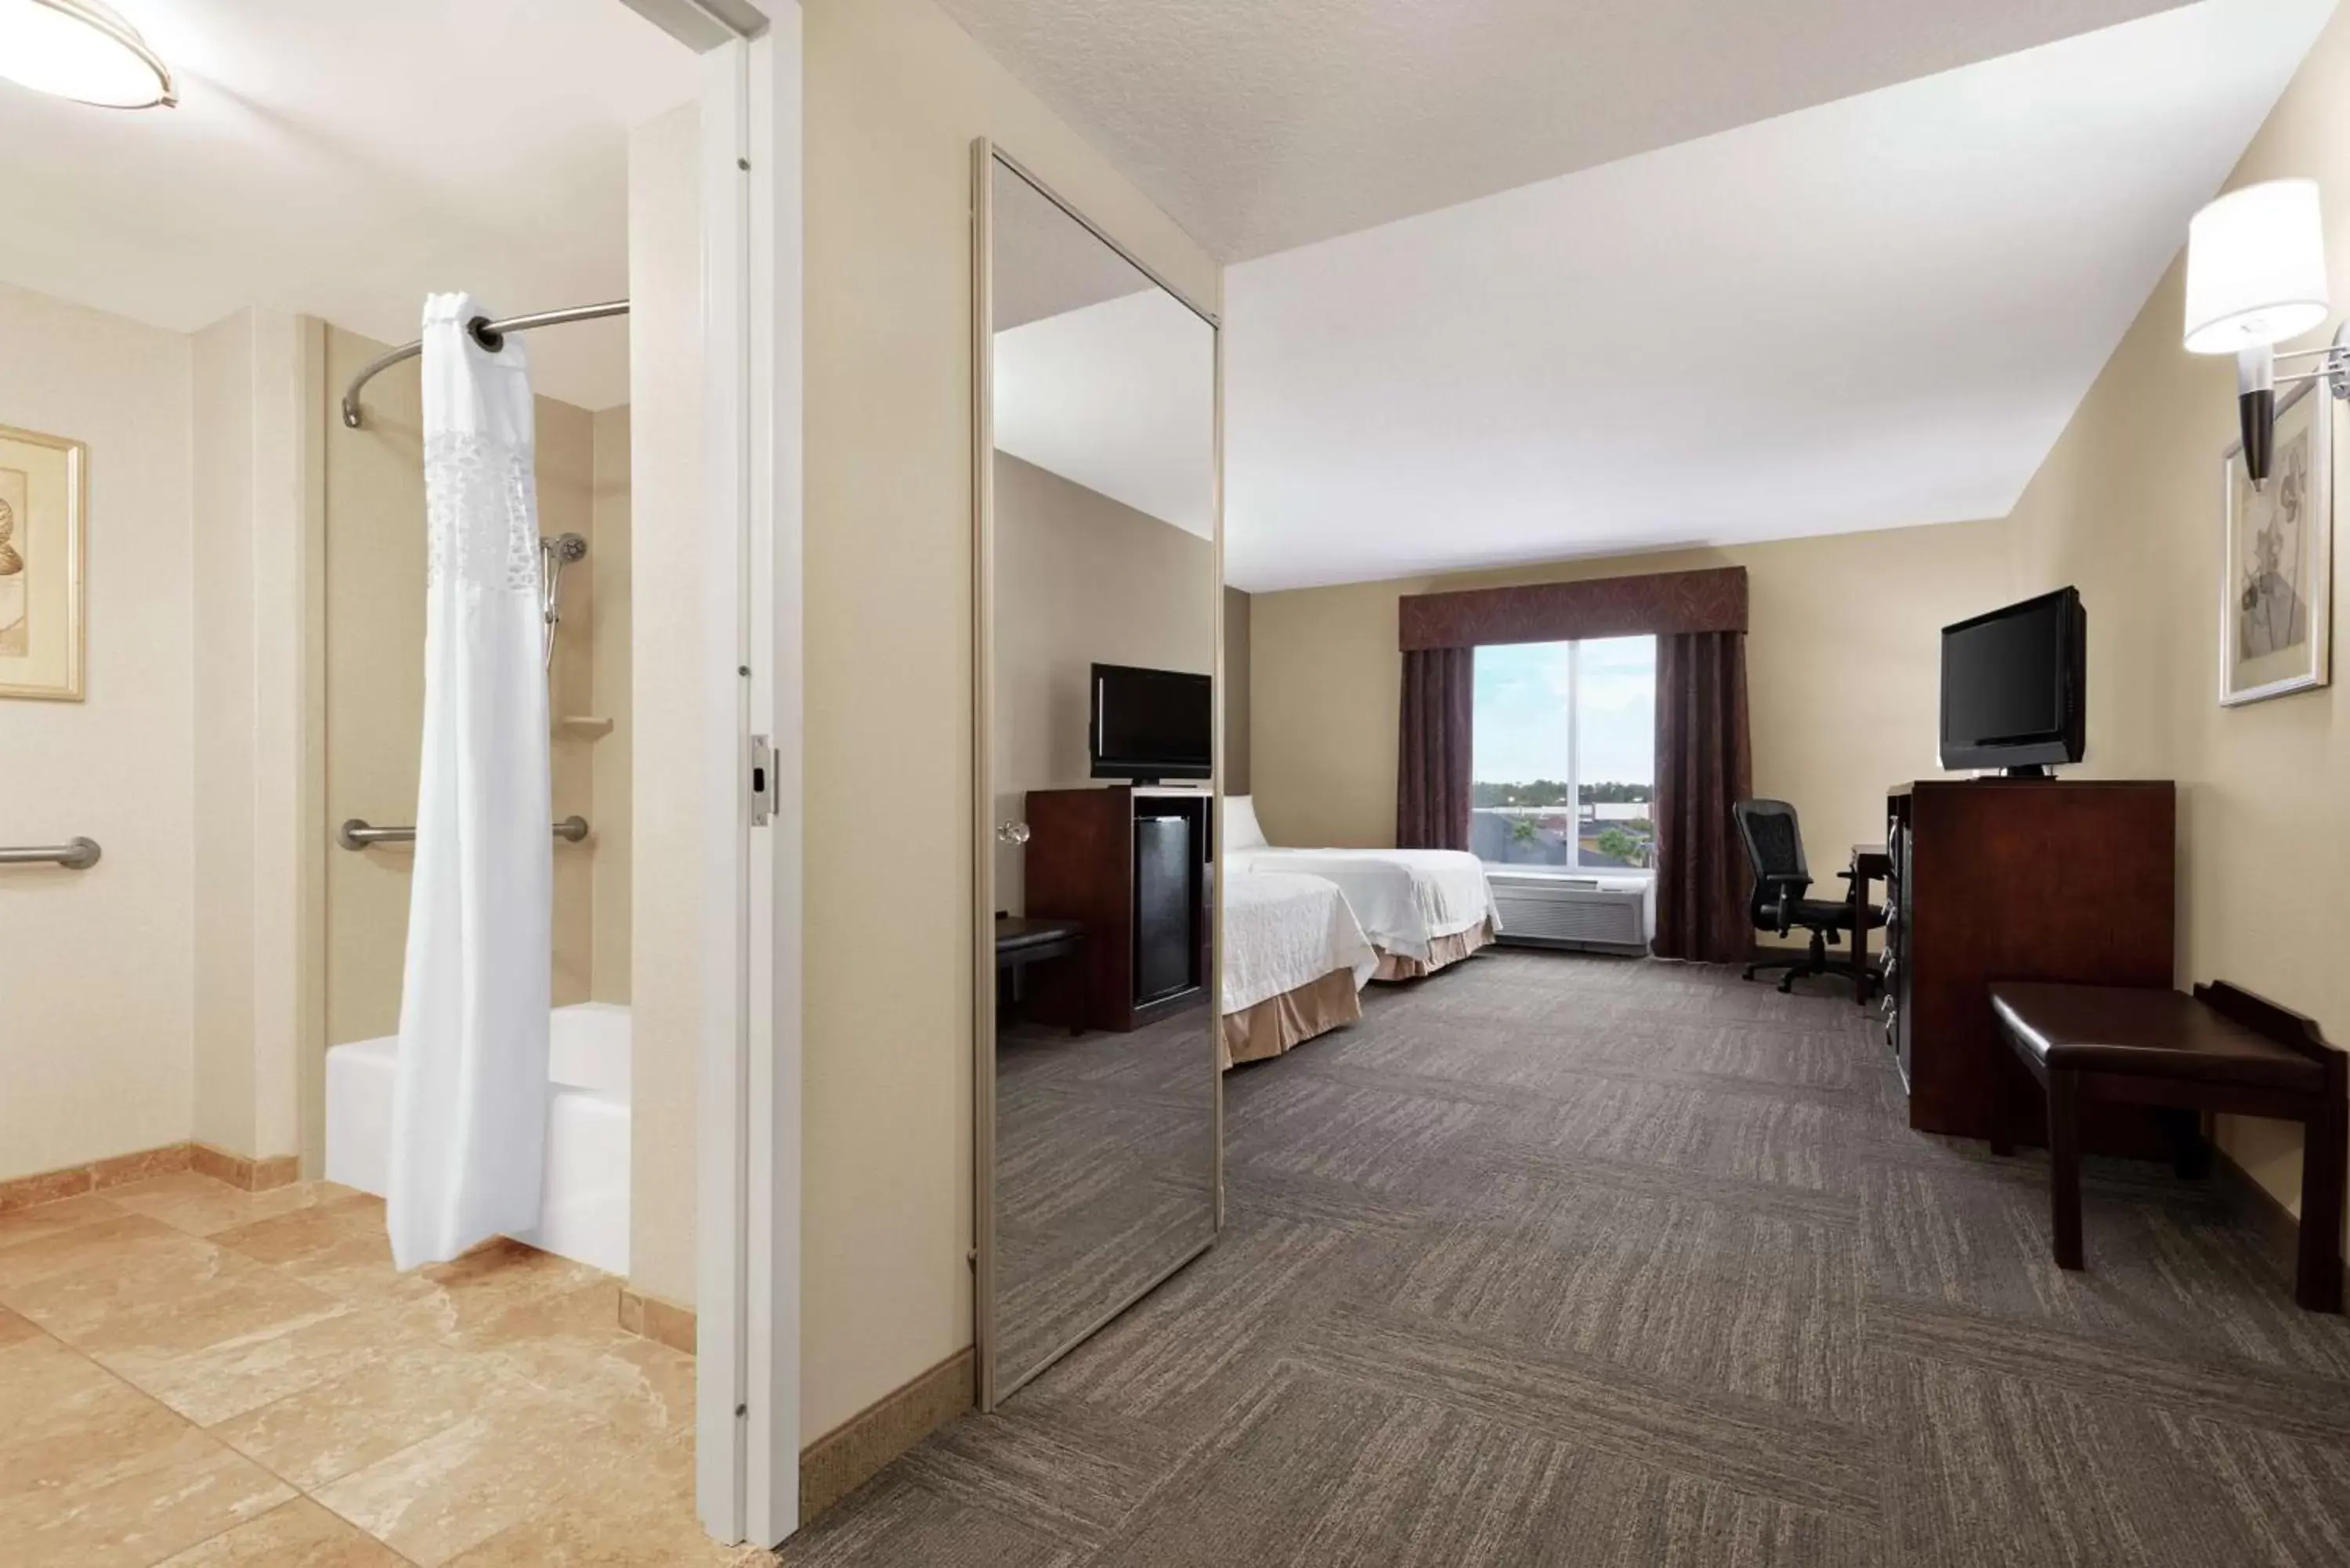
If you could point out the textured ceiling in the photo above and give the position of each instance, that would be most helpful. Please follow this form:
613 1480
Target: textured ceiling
1261 126
343 157
1877 312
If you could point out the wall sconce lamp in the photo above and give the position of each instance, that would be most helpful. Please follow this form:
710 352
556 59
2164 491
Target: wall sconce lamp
2256 277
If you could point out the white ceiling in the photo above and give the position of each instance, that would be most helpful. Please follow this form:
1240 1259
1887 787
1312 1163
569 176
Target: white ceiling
1876 312
1100 376
344 157
1263 126
1120 397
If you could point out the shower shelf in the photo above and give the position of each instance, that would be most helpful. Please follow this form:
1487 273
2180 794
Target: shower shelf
584 725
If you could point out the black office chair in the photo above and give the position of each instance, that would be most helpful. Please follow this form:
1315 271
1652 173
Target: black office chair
1774 848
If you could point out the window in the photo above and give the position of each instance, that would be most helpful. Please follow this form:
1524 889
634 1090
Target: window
1565 755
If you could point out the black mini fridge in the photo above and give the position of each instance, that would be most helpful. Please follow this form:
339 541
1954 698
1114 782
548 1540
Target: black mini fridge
1165 947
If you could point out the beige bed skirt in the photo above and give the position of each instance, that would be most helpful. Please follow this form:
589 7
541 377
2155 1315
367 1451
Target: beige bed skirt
1441 950
1294 1017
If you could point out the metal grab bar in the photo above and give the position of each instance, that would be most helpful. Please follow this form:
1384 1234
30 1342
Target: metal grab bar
359 834
74 855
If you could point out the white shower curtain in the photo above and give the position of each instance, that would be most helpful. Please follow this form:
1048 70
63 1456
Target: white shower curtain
469 1103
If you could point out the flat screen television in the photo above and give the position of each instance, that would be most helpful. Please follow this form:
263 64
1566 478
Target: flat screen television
2015 687
1152 724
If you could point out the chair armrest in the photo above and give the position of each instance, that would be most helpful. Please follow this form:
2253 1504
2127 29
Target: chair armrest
1787 889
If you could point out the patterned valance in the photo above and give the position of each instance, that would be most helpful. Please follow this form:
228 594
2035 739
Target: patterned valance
1653 603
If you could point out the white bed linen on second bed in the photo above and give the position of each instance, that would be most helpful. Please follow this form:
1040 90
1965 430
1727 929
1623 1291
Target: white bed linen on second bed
1405 899
1281 931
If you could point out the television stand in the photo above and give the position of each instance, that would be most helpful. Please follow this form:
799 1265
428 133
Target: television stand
1996 880
1132 865
2028 771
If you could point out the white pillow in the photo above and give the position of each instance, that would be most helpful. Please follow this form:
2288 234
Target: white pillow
1241 829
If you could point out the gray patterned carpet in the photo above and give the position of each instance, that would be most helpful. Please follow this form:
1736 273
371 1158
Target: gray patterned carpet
1105 1162
1577 1261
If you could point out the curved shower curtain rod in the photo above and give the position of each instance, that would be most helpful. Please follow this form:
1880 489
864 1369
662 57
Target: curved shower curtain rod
489 333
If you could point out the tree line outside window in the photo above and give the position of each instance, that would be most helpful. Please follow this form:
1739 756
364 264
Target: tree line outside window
1565 755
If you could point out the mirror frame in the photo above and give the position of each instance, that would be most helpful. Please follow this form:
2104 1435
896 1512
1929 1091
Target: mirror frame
986 157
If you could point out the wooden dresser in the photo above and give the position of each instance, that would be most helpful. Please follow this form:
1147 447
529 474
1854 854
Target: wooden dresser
2023 879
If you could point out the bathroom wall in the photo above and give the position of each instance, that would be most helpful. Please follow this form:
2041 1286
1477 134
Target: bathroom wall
258 823
608 604
374 697
96 967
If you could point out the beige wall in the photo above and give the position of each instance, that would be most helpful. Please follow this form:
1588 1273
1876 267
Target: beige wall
1080 579
605 597
665 603
257 829
1236 692
374 688
221 582
567 493
96 967
2126 506
895 94
1843 675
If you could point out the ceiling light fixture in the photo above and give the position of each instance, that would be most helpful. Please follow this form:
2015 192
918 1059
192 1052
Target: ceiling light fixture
82 50
2256 277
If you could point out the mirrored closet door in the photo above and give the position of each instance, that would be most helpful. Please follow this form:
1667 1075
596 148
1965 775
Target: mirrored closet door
1098 604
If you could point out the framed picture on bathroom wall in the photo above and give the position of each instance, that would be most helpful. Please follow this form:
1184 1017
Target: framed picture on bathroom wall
2276 577
44 484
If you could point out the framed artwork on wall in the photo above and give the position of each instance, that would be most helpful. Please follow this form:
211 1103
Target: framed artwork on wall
43 494
2276 579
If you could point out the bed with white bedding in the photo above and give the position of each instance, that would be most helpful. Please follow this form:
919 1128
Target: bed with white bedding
1296 962
1422 908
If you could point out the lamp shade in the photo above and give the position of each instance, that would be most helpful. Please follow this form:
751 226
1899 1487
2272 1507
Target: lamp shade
80 49
2255 268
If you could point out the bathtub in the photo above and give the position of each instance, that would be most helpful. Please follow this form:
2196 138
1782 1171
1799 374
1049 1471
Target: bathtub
586 1211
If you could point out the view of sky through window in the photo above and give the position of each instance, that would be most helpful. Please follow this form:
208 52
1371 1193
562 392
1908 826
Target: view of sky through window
1558 723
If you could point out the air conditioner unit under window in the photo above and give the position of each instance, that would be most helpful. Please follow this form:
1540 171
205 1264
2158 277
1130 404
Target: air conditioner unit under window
1605 914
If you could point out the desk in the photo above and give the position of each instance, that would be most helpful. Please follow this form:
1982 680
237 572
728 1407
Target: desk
1870 863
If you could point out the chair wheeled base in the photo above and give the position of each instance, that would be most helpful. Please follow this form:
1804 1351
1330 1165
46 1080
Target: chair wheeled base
1815 961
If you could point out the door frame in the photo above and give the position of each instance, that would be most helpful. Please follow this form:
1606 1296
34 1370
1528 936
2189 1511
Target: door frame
748 870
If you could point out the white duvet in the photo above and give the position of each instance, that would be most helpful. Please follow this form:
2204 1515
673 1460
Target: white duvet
1284 931
1405 899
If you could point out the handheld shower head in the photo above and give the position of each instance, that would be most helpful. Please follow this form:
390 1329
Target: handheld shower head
554 554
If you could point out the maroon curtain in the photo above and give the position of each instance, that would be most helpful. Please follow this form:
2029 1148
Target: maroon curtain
1432 753
1704 762
1647 604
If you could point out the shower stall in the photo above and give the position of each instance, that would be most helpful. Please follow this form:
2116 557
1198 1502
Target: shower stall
374 585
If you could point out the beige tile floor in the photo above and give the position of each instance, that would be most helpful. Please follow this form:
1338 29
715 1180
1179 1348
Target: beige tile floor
198 1377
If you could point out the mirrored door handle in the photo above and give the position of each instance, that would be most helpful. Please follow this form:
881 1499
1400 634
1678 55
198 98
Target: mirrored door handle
1012 833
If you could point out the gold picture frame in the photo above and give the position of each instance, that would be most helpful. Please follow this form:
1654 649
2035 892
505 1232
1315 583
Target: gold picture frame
44 502
2277 569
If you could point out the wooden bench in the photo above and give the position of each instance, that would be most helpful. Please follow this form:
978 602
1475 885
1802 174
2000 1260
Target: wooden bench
1021 942
2221 1049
